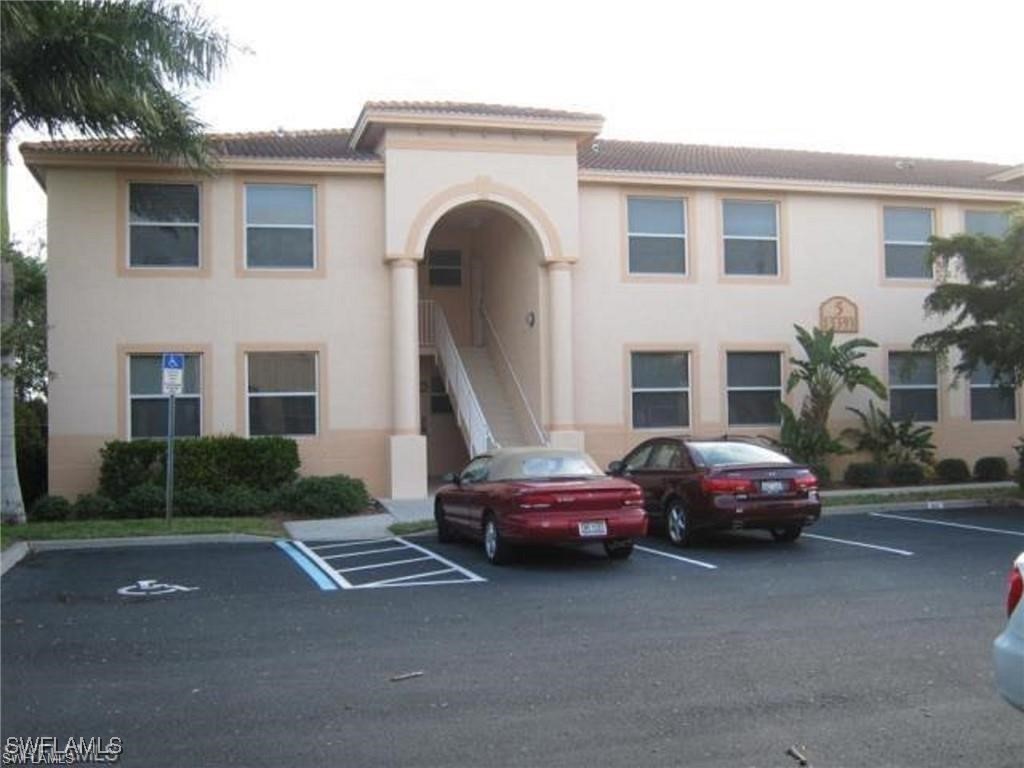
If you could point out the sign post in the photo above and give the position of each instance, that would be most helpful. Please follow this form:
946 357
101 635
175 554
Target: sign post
173 382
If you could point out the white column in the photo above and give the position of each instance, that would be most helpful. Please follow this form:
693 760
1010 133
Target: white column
408 448
561 415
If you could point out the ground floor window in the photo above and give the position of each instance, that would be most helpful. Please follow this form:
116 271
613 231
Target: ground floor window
661 389
282 393
753 387
990 401
148 404
913 386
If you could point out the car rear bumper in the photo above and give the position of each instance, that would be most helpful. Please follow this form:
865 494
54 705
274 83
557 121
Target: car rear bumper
736 513
1008 656
620 524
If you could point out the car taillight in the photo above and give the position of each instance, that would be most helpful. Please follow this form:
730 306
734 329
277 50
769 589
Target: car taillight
633 498
713 485
1015 588
805 481
537 501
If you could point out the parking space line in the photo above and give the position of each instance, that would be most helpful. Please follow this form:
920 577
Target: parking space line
332 574
879 547
944 522
381 565
319 577
699 563
464 571
394 582
350 543
363 552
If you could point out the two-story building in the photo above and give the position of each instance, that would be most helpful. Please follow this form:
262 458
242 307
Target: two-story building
443 278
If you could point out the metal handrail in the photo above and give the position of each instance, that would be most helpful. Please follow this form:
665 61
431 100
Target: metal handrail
542 437
468 412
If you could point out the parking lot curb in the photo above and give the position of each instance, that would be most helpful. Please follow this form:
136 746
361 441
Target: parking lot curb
13 555
913 506
26 547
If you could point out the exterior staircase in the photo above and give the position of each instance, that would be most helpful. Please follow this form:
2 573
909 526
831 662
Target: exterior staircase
494 401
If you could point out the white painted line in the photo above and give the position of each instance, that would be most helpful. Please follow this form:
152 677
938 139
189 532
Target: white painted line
700 563
351 543
437 583
382 565
880 548
386 582
364 552
464 571
332 574
943 522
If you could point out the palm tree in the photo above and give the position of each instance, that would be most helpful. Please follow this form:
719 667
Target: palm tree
828 369
106 68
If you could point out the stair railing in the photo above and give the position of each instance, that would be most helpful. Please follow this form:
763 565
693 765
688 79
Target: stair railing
539 434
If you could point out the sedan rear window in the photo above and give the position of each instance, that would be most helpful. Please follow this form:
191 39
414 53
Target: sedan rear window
721 454
559 466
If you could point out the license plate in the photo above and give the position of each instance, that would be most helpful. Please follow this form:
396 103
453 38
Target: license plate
595 528
773 486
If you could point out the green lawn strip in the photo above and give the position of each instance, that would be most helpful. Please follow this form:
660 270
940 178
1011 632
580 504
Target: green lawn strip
898 497
403 529
102 529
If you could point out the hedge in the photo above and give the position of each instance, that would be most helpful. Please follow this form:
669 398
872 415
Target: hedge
210 463
991 469
953 471
864 474
906 473
49 508
330 496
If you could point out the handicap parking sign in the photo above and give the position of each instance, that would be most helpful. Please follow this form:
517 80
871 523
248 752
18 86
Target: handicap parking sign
173 373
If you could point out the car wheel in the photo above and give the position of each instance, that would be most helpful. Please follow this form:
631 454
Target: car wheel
619 549
498 550
787 532
445 533
677 523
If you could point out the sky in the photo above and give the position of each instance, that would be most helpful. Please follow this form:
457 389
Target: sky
905 78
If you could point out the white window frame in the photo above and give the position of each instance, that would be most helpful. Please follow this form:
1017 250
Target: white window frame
198 224
886 242
688 389
729 389
914 387
246 226
315 392
630 234
128 377
970 401
775 239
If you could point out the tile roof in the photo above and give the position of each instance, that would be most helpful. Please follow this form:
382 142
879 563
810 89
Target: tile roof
745 162
482 110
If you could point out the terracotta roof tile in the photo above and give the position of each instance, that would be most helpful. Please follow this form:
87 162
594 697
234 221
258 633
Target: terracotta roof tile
484 110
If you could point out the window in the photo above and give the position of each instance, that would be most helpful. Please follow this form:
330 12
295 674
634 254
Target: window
444 268
913 386
906 242
657 235
638 458
665 456
991 223
477 471
753 387
163 224
148 404
991 401
661 389
282 393
280 226
751 237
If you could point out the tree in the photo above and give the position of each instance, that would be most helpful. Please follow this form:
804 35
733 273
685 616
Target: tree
107 68
987 306
24 339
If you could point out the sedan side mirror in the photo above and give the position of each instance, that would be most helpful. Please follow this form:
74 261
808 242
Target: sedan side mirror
617 468
451 477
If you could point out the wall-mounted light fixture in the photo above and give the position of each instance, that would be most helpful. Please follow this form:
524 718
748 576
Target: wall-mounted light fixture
531 318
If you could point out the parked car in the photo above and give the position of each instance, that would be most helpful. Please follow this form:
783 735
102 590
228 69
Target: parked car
1008 649
693 486
539 495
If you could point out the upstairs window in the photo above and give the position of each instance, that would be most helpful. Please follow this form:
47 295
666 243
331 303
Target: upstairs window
657 236
751 231
753 387
913 386
444 268
661 389
991 223
280 226
282 393
148 404
906 242
991 400
163 224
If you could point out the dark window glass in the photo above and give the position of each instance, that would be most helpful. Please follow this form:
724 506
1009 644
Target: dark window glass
754 407
754 369
751 257
653 410
163 225
270 248
280 226
163 203
907 261
661 395
293 376
638 458
754 383
657 255
906 242
913 404
991 223
292 415
282 372
444 268
657 235
665 456
149 417
989 400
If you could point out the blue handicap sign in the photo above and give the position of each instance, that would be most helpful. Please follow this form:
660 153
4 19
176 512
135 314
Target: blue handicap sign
174 362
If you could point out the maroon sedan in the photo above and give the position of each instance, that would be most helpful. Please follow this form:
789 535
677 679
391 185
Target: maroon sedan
539 496
692 486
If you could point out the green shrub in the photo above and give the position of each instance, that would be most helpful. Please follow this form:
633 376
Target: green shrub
822 472
243 501
146 500
331 496
210 463
906 473
952 471
50 508
194 502
93 506
864 474
991 469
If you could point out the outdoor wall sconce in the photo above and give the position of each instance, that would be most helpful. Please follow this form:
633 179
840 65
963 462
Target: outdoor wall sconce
531 319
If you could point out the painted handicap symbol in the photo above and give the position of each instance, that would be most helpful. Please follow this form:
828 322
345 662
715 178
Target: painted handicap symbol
147 587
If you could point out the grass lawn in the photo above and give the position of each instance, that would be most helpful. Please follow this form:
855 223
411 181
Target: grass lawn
953 494
403 529
102 529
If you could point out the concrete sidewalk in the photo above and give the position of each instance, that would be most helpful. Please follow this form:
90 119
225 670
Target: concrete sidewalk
364 526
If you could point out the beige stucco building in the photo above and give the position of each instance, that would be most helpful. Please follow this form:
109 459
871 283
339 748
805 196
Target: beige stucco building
446 277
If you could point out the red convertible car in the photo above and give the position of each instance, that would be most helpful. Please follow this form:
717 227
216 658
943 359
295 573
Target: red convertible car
541 496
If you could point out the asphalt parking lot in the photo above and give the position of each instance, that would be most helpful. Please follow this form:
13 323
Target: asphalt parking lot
865 643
